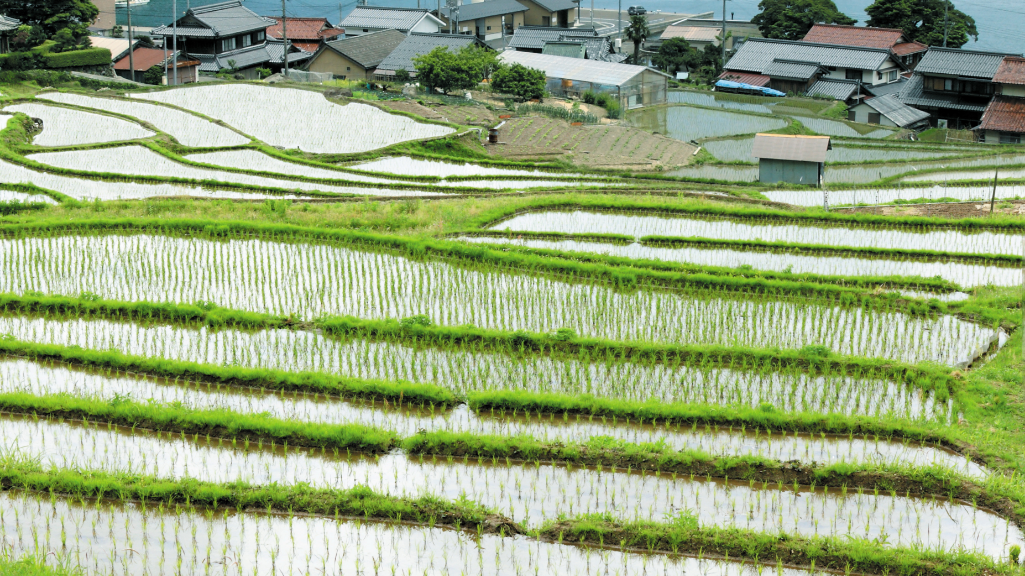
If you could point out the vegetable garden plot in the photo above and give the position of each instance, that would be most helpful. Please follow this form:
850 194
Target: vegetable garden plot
258 111
973 175
638 225
407 166
870 196
716 100
964 275
84 189
312 280
133 539
11 196
686 124
140 161
67 127
188 129
837 128
465 371
528 493
18 375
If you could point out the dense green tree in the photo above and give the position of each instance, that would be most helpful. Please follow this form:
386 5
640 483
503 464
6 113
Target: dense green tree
27 37
520 81
445 71
637 32
676 54
792 19
923 21
155 75
484 60
53 15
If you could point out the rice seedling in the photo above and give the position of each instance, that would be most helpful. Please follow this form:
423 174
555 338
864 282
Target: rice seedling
314 280
735 149
898 194
68 127
686 123
528 493
640 225
365 127
187 129
141 161
872 172
837 128
467 370
987 175
84 189
721 100
10 196
42 379
131 538
962 274
407 166
717 172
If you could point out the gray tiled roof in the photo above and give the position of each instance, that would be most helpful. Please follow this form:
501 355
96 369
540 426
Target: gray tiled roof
791 70
604 73
838 89
416 44
486 9
534 37
568 48
901 114
791 148
889 88
276 48
956 62
598 48
367 50
914 95
379 17
214 20
757 54
556 5
8 24
244 58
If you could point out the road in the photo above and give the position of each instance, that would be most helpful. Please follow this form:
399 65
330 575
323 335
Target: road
605 20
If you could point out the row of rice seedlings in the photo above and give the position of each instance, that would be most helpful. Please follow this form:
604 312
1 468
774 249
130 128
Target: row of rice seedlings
187 129
406 166
686 123
735 149
255 160
84 189
68 127
314 280
717 172
719 100
141 161
639 225
528 493
938 193
257 111
973 175
836 128
46 379
965 275
11 196
139 539
858 174
468 369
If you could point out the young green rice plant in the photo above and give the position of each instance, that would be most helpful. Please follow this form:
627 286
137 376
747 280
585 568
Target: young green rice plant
69 127
246 106
686 123
898 194
187 129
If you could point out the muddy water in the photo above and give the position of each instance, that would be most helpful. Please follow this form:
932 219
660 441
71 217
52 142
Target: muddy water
131 539
465 371
527 493
965 275
18 375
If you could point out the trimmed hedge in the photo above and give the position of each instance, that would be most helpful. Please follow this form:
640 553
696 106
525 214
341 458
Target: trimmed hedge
75 58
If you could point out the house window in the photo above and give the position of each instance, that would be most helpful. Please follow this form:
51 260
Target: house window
891 76
852 116
366 29
879 75
1010 138
853 74
489 27
247 40
227 44
348 69
982 136
260 36
546 21
873 117
948 84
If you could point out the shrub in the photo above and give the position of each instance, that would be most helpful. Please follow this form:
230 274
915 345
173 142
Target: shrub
520 81
263 72
1015 553
76 58
402 75
155 76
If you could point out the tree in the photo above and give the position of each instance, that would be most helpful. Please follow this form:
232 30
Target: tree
155 75
675 54
402 75
792 19
483 60
53 15
27 37
637 32
923 21
65 41
445 71
520 81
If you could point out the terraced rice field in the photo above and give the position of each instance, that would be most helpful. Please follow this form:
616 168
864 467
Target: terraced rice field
739 149
935 193
837 128
492 384
69 127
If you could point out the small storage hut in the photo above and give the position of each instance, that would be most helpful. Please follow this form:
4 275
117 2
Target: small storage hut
792 159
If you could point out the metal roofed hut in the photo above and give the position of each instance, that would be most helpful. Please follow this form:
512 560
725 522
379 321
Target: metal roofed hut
791 159
633 86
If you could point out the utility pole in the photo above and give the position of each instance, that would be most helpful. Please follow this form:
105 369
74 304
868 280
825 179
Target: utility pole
722 42
340 11
174 46
946 21
284 35
131 47
619 21
592 13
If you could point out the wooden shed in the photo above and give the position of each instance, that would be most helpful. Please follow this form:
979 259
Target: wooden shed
792 159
